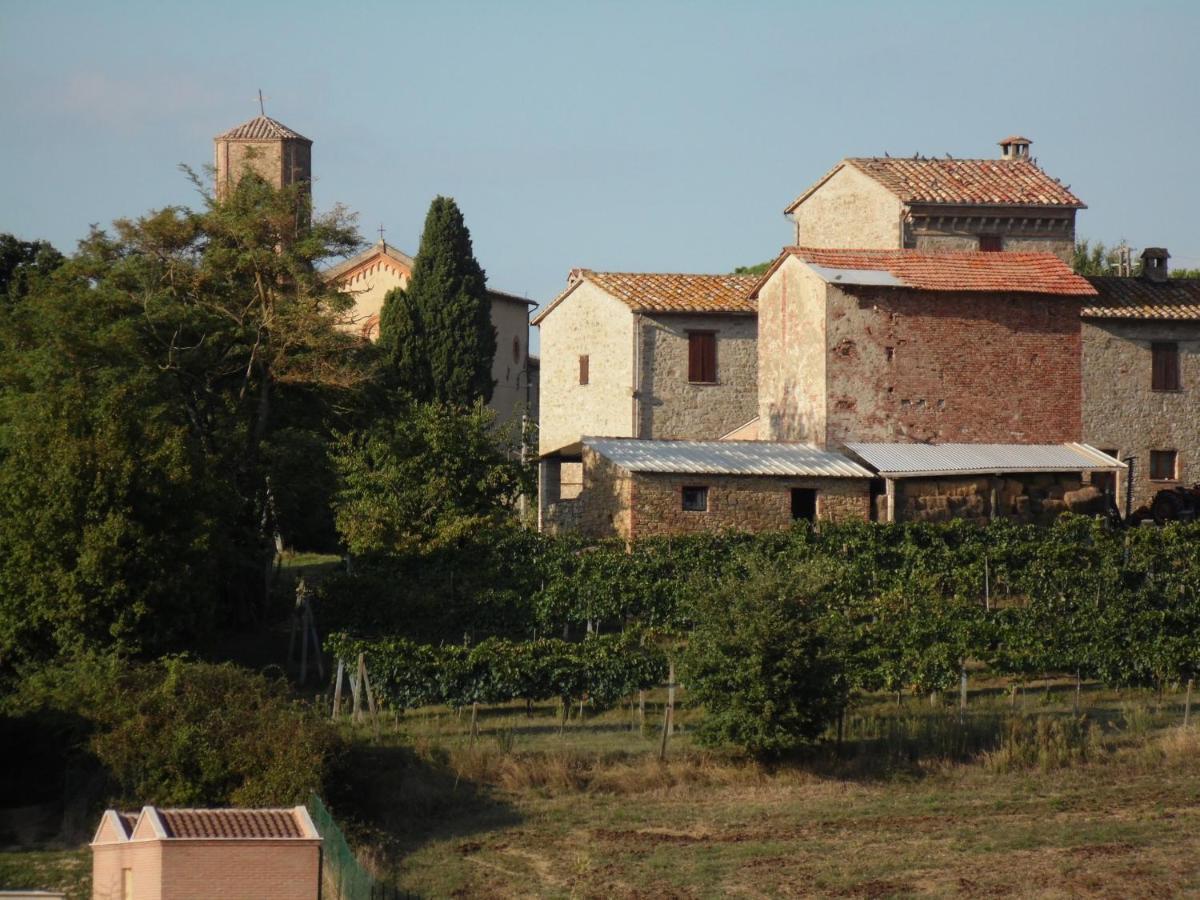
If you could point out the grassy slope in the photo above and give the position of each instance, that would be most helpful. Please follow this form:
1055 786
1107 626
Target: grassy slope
69 871
522 812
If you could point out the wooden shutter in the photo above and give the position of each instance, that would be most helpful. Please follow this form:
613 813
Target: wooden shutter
1164 366
702 357
583 369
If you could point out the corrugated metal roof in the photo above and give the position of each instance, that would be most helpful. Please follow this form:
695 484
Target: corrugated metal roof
909 460
725 458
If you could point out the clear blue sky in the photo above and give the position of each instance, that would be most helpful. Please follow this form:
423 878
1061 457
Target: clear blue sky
625 136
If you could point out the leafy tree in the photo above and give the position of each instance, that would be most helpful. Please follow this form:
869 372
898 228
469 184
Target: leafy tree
762 665
1189 274
21 261
1099 259
429 478
437 333
756 269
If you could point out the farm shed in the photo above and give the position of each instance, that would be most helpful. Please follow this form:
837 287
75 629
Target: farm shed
1027 482
199 854
639 488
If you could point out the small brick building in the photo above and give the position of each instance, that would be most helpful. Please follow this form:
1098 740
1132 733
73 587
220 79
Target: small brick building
206 854
634 489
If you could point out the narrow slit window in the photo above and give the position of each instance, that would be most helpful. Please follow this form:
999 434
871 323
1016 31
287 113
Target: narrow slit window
695 499
583 369
702 357
1164 367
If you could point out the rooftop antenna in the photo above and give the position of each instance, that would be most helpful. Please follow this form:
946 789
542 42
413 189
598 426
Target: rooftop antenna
262 110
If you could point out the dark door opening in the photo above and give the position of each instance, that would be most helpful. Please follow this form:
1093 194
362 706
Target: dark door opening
804 504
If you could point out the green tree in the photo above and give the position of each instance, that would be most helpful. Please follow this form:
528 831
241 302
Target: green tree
21 261
1099 259
437 333
431 477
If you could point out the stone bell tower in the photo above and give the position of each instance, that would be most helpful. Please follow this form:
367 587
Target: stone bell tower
268 148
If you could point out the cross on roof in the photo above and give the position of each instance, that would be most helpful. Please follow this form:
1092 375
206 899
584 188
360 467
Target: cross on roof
261 108
381 240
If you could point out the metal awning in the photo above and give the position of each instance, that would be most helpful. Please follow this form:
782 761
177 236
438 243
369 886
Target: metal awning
914 460
725 458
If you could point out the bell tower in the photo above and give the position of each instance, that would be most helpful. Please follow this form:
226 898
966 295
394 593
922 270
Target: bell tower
268 148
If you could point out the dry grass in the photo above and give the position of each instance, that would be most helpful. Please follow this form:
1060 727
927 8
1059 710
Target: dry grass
1012 801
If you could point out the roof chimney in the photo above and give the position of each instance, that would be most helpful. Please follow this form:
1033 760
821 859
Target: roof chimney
1154 264
1015 147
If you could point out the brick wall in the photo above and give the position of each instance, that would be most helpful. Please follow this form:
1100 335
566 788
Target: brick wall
952 367
1122 413
673 408
263 870
278 162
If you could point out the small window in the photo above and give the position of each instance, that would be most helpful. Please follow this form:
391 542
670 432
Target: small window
1164 367
991 243
804 504
702 357
583 369
1162 465
517 350
695 499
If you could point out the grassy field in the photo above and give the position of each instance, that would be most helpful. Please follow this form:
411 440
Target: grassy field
66 870
1015 800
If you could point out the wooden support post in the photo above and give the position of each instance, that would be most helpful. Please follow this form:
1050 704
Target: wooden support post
356 691
962 692
337 689
668 712
365 681
891 499
1187 705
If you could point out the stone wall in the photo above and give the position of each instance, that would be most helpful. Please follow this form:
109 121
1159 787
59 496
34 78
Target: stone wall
744 502
278 162
791 355
1038 497
1022 230
510 318
947 367
591 322
1122 413
849 210
671 407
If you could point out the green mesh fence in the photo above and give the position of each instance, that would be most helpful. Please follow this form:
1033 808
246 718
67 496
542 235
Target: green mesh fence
343 876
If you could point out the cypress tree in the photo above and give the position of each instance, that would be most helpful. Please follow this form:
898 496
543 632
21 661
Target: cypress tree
437 334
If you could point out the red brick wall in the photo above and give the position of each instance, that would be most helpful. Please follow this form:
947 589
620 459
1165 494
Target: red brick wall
949 367
264 870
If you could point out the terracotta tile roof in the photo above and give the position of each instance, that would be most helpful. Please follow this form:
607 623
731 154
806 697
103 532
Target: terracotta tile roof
1138 298
1036 273
959 182
230 823
651 292
261 128
127 820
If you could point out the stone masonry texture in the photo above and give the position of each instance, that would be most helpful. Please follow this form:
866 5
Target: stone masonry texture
1122 413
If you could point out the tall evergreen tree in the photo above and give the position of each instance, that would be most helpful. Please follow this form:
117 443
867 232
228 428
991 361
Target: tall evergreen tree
438 334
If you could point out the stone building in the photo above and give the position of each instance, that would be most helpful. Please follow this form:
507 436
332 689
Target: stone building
634 488
939 204
199 854
916 347
647 356
371 274
268 148
1141 375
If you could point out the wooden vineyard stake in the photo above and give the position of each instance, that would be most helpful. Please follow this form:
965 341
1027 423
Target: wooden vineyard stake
337 689
1187 705
365 683
669 712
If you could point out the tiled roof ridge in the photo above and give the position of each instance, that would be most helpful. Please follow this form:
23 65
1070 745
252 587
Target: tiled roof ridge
230 823
665 292
261 128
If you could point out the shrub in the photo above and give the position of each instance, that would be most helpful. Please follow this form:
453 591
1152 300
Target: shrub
761 664
185 733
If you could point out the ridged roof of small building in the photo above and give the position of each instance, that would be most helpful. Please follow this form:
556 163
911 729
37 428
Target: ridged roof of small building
1139 298
959 182
261 128
1034 273
664 292
913 460
725 458
230 823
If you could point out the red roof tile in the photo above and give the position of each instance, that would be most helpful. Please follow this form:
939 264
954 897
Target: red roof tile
959 182
1139 298
230 823
261 128
657 292
1037 273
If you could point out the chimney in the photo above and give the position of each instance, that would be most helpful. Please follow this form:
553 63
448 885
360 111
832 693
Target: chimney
1015 147
1154 264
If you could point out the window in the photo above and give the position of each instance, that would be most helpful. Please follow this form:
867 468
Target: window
991 243
1164 367
583 369
695 499
804 504
517 350
1162 465
702 357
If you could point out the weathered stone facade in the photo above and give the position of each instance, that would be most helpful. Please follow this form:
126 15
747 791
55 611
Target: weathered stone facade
841 363
279 161
851 209
1018 229
1122 412
670 406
